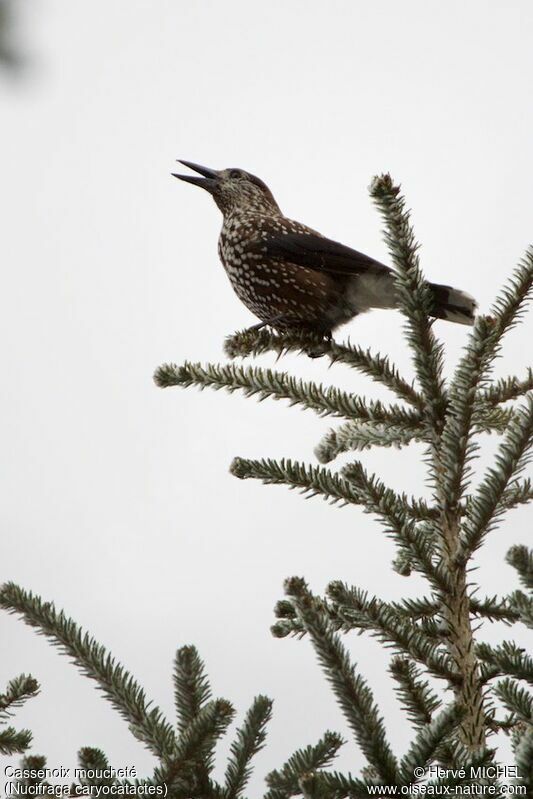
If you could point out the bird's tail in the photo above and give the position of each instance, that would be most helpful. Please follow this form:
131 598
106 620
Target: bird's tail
452 304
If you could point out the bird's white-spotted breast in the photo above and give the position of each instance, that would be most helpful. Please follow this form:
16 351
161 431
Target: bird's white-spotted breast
269 287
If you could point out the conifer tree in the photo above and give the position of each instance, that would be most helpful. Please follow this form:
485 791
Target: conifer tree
18 690
437 635
433 635
184 749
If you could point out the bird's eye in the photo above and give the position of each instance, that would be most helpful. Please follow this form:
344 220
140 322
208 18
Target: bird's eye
235 173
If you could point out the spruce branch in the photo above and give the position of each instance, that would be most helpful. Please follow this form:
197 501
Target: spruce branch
422 608
202 733
490 608
310 787
417 698
284 609
510 305
254 381
508 388
291 623
413 609
428 741
249 740
522 605
484 508
461 764
391 511
378 493
521 559
413 295
191 759
30 765
353 694
524 760
146 721
341 786
456 447
285 781
493 609
520 493
416 608
415 301
186 759
379 498
351 488
257 342
332 785
451 471
92 759
312 480
17 692
420 550
14 742
286 627
517 700
191 686
487 419
89 757
434 629
507 659
350 615
354 609
359 436
402 564
372 494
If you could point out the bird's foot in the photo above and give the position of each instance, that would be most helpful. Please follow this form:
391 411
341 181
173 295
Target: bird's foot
321 347
315 343
267 323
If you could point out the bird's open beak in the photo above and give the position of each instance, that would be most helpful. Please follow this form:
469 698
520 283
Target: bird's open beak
207 182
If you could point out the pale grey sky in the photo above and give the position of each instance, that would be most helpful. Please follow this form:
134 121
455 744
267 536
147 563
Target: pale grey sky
117 502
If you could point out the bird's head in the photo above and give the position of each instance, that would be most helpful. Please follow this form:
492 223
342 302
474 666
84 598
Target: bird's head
233 190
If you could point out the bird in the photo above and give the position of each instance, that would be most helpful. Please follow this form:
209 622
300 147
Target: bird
292 277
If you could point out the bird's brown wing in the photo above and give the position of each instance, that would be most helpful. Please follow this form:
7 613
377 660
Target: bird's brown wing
316 252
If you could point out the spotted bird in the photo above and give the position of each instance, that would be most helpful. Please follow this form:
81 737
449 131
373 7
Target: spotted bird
289 275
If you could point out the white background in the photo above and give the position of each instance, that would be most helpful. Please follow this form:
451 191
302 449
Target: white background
116 498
